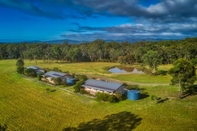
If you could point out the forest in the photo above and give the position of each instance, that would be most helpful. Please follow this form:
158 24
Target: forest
158 52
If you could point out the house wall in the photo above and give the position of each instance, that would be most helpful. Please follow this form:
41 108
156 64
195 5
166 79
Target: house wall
93 91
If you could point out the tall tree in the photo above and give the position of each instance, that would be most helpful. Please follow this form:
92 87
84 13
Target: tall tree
152 59
20 66
184 74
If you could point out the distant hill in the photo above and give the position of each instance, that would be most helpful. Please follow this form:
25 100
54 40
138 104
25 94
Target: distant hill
78 42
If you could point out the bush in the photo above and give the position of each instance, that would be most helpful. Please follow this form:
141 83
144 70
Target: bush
132 87
160 72
107 97
57 69
118 96
81 77
194 61
83 91
111 98
56 81
77 86
30 72
39 76
20 70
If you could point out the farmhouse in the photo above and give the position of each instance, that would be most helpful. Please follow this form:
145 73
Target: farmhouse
65 77
93 86
36 69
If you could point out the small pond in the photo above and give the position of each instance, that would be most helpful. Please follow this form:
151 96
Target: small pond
118 70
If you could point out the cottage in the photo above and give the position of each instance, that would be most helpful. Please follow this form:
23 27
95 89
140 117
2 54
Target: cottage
66 77
93 86
36 69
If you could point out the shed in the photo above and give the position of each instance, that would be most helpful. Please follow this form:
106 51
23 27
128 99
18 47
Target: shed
94 86
63 76
36 69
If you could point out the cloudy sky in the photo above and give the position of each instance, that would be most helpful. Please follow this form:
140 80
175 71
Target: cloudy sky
87 20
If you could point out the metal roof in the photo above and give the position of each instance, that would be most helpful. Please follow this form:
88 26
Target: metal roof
55 74
102 85
33 67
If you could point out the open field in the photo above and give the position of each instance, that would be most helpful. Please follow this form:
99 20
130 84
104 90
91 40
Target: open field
25 104
97 68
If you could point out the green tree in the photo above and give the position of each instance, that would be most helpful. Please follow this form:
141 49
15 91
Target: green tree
184 74
152 59
20 63
56 51
20 66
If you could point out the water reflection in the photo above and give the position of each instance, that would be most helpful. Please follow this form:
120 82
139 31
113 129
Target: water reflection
118 70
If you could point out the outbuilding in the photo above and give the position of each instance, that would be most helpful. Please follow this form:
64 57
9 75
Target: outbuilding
36 69
65 77
93 86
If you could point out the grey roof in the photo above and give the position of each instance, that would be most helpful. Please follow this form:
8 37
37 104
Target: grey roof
102 85
54 74
33 67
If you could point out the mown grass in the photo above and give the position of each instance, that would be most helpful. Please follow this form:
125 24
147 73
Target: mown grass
98 69
25 105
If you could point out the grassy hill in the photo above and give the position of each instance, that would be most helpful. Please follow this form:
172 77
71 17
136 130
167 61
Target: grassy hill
26 105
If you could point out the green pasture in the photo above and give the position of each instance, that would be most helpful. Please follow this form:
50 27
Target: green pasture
25 105
98 69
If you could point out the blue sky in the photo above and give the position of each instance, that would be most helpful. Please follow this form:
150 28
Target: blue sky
87 20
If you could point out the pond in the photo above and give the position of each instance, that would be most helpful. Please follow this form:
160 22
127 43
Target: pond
118 70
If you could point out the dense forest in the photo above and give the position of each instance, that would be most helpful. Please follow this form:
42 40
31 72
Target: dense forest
160 52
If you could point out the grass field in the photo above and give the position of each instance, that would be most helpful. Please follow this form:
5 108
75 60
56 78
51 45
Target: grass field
26 106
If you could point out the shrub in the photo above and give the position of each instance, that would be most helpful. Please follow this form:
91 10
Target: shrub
20 66
131 87
83 91
106 97
73 74
77 86
30 72
81 77
20 70
194 61
160 72
39 76
118 96
57 69
56 81
111 98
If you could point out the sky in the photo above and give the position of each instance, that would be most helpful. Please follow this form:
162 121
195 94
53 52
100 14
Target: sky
88 20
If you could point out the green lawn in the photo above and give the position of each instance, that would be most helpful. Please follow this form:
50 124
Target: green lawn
25 104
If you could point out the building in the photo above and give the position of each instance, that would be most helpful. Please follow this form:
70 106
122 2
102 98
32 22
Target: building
65 77
36 69
93 86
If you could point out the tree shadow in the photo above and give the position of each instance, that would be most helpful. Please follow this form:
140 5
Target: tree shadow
190 91
116 122
144 95
159 100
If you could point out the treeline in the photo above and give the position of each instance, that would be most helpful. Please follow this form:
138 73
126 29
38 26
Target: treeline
162 52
